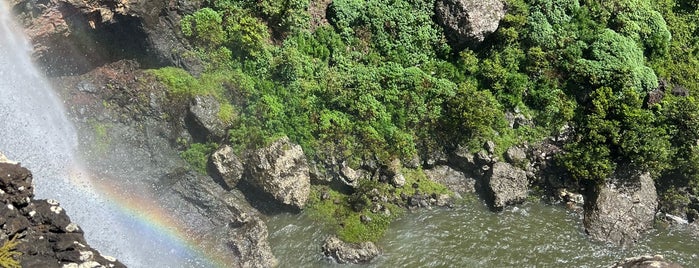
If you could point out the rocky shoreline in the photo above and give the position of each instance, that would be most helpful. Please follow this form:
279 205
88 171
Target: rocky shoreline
115 92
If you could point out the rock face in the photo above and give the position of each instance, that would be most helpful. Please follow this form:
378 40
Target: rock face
47 237
74 36
453 179
647 261
468 22
343 252
620 212
282 171
227 165
229 218
508 184
204 122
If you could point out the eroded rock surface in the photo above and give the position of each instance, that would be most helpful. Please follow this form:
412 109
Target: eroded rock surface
508 184
46 235
343 252
227 165
282 171
622 210
468 22
647 261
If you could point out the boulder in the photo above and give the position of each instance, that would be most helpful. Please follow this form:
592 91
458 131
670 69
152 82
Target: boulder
468 22
622 209
282 171
646 261
343 252
227 165
507 185
515 155
45 234
453 179
204 122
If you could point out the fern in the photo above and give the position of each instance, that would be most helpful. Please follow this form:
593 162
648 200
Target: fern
8 254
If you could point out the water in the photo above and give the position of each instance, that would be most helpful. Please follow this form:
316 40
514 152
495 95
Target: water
530 235
35 131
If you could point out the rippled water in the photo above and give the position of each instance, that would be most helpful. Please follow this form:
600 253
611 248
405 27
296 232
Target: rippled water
530 235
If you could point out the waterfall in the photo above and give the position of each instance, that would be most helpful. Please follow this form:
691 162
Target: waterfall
35 130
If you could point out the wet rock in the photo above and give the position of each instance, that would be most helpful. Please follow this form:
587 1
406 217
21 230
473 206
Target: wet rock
229 218
74 36
621 210
646 261
205 122
227 165
507 185
46 235
343 252
15 184
468 22
454 180
282 171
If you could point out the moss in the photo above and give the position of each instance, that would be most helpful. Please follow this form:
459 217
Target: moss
226 113
340 212
197 156
9 256
417 181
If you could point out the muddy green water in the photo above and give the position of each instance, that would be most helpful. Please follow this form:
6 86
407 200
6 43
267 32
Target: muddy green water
530 235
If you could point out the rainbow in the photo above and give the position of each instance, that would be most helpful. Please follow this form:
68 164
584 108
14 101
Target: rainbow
151 218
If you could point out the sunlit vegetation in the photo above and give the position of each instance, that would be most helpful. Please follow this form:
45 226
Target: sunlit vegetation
380 82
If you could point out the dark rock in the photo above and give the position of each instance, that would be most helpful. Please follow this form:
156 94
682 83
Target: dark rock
647 261
205 122
621 210
507 185
282 171
75 36
47 237
227 165
468 22
680 91
343 252
229 217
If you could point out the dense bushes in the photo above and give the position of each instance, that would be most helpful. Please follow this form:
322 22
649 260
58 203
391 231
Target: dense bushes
380 83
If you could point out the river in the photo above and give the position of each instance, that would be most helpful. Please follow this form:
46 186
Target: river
530 235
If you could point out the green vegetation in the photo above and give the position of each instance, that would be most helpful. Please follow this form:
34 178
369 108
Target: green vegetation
197 155
9 257
380 83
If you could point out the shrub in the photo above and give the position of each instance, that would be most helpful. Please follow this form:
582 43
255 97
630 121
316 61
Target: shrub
9 257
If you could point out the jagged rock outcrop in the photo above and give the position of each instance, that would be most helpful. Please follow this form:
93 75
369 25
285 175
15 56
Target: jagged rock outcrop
74 36
453 179
203 119
508 184
229 218
46 235
281 170
621 210
227 165
468 22
343 252
646 261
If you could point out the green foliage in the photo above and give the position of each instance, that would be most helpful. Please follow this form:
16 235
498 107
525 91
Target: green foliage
9 256
400 31
476 114
340 213
204 27
197 155
616 61
615 130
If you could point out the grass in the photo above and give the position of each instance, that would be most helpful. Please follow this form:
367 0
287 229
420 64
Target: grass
9 257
